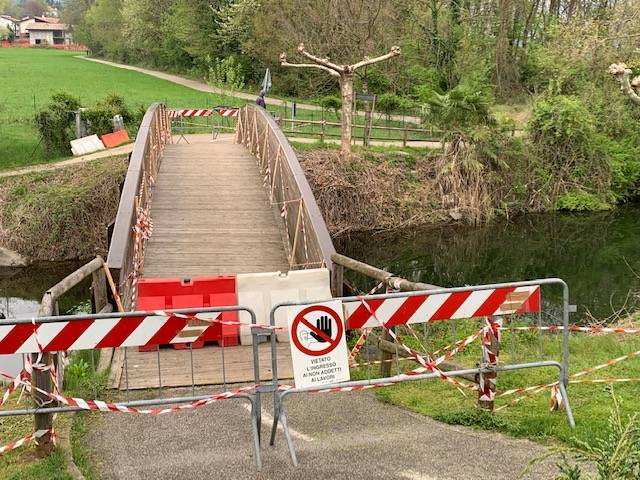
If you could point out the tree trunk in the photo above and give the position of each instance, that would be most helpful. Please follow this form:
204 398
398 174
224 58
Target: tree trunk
346 88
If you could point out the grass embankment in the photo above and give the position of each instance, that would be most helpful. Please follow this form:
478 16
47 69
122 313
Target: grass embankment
385 188
529 418
23 463
63 214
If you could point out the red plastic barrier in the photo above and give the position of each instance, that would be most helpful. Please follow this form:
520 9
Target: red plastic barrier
114 139
197 292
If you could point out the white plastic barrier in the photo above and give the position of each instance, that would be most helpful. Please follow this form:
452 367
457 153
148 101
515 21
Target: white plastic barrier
84 145
262 291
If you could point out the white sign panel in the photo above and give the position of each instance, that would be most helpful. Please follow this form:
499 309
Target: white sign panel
318 344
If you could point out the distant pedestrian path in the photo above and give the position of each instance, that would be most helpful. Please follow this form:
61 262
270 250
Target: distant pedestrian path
70 162
203 87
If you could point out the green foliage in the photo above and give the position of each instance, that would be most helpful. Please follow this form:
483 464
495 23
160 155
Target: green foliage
389 103
100 116
571 164
616 455
331 102
465 105
55 123
226 73
581 201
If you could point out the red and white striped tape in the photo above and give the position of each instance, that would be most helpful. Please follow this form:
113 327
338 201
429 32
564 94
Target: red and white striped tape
189 112
102 406
535 389
574 328
24 441
425 366
443 306
228 112
151 329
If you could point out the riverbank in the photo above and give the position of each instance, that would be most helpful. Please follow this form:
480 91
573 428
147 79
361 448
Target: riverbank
63 214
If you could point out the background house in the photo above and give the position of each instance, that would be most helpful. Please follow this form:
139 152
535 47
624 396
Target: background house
7 24
43 33
26 22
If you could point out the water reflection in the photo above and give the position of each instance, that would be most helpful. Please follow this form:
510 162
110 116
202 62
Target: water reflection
21 290
597 255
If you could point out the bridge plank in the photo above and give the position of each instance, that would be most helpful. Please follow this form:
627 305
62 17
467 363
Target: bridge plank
211 214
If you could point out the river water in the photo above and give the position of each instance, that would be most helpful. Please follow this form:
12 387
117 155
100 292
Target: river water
21 290
596 254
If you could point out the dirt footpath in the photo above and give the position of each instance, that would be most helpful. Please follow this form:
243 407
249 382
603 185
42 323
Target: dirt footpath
337 436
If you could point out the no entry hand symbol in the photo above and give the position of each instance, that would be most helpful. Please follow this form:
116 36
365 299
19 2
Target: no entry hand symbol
319 324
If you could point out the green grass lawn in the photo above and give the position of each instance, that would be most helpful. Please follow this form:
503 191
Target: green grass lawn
29 76
530 418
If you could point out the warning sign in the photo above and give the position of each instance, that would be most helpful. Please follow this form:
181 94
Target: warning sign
318 344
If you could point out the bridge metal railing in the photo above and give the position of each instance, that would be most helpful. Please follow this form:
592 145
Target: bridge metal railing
126 249
308 241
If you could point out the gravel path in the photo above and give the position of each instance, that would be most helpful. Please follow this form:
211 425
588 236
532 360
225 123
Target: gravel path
204 87
337 436
45 167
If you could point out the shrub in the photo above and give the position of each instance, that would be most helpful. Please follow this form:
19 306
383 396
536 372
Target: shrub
571 164
100 117
581 201
55 124
465 105
226 73
389 103
331 102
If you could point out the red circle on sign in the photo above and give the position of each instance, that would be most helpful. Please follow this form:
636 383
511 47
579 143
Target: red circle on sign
300 318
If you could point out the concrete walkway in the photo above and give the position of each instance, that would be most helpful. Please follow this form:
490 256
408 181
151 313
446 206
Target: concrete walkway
337 436
204 87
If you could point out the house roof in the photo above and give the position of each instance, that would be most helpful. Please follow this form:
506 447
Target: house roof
39 19
47 26
9 17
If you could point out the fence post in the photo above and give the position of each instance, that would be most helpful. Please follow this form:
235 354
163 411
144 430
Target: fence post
323 132
490 352
99 289
385 357
404 137
42 380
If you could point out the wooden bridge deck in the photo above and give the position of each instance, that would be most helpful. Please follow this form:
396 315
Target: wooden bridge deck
211 214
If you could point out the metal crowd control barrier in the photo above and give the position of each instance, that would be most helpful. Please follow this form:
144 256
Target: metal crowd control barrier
478 298
121 330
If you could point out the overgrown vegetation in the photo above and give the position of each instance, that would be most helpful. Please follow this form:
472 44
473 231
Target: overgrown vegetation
61 215
460 63
56 124
615 453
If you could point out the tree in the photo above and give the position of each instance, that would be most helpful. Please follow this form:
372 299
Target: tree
345 74
630 87
33 8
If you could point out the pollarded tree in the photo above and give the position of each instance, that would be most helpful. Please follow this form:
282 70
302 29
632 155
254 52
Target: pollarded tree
345 74
630 86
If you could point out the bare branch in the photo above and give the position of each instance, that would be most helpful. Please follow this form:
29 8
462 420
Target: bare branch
622 73
320 61
395 51
284 63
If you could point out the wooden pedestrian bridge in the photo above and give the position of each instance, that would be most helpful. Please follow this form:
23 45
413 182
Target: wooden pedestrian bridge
237 206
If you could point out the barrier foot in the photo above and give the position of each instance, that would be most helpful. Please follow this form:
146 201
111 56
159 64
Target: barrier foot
276 418
287 434
567 407
256 432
